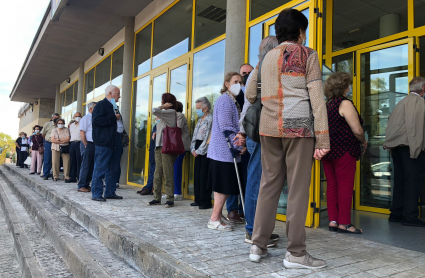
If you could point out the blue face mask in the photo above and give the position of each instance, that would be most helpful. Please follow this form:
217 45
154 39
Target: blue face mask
114 103
199 113
158 120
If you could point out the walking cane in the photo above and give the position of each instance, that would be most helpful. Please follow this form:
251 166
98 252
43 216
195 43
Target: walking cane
237 173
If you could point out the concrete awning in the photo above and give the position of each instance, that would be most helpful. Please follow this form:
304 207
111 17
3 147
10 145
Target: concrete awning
59 46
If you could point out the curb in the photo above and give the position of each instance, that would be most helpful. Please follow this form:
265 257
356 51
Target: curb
24 253
143 256
79 261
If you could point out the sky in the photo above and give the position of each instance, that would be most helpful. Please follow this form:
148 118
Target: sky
18 24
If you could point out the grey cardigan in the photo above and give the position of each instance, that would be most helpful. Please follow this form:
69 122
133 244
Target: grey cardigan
182 123
168 118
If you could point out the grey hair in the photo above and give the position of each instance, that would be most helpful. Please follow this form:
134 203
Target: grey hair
55 114
267 44
205 103
91 105
109 89
416 84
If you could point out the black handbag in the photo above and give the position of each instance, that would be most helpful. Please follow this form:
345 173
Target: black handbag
64 149
251 122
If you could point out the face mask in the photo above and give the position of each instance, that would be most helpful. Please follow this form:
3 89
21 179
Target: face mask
158 120
235 89
23 136
304 43
37 131
350 92
114 103
77 119
60 125
55 120
200 113
245 79
33 133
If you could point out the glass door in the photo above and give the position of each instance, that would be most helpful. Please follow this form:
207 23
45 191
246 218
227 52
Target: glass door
384 73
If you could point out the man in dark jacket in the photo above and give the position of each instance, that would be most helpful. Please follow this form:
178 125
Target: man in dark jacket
147 190
107 131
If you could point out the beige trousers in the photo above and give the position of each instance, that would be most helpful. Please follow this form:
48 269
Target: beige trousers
56 158
291 159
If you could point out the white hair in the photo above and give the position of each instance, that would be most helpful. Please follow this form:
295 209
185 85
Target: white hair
205 103
109 89
267 44
416 84
91 105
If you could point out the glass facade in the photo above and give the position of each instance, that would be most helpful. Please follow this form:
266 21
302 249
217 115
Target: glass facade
260 7
102 76
117 66
210 20
142 60
172 33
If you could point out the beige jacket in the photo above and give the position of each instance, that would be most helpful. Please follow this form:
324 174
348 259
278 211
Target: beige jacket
182 123
406 125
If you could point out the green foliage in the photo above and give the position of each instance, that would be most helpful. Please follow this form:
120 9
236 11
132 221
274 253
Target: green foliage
6 142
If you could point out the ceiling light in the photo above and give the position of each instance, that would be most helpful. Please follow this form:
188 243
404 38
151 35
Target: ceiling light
354 31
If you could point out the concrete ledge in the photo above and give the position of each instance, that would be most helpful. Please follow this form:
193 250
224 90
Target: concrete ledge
24 253
145 257
79 261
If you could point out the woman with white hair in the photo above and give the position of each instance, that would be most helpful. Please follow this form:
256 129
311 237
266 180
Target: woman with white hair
199 149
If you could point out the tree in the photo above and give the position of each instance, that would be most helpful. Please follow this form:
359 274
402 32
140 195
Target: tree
378 85
6 142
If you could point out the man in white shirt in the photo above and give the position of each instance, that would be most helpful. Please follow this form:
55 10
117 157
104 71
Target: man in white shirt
87 150
74 148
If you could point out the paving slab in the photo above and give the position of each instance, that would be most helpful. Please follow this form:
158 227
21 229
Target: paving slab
182 233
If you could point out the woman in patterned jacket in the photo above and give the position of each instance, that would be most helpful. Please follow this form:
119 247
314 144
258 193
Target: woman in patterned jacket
293 130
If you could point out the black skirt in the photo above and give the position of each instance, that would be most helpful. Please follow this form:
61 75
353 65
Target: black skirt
222 177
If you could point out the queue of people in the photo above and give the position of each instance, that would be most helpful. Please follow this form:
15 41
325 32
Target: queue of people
302 119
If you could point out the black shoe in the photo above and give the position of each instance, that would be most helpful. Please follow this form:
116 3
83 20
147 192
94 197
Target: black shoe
116 197
99 199
70 181
32 173
45 178
393 218
204 207
414 223
38 173
169 204
154 202
118 185
194 205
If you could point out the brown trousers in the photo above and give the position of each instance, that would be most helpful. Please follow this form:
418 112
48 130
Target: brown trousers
291 159
56 158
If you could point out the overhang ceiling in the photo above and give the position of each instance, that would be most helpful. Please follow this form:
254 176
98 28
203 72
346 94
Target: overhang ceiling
83 27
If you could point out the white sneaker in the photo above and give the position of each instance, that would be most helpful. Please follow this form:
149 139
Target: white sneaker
178 197
306 261
256 254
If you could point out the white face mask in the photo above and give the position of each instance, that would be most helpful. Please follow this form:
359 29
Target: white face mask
235 89
37 131
60 125
77 119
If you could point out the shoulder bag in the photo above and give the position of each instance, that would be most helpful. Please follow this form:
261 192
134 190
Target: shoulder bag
172 140
125 139
63 149
40 148
251 122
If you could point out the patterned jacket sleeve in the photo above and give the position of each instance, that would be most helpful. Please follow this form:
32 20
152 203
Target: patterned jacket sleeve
203 148
317 99
225 119
251 86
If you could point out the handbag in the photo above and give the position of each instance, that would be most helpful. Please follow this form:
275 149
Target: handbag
64 149
125 139
251 121
172 140
40 148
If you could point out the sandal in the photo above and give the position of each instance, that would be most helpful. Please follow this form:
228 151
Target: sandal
217 225
333 228
356 231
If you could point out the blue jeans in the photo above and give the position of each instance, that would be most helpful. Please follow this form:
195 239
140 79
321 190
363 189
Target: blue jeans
232 201
87 165
178 165
149 184
47 158
253 183
105 159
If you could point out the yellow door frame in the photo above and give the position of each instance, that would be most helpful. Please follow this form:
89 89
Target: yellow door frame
411 73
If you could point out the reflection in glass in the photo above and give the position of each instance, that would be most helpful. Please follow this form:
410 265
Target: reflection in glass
210 21
208 75
142 61
69 98
117 66
422 57
357 22
260 7
62 102
139 132
178 84
384 82
272 30
255 38
419 8
159 87
172 33
74 104
103 76
89 85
